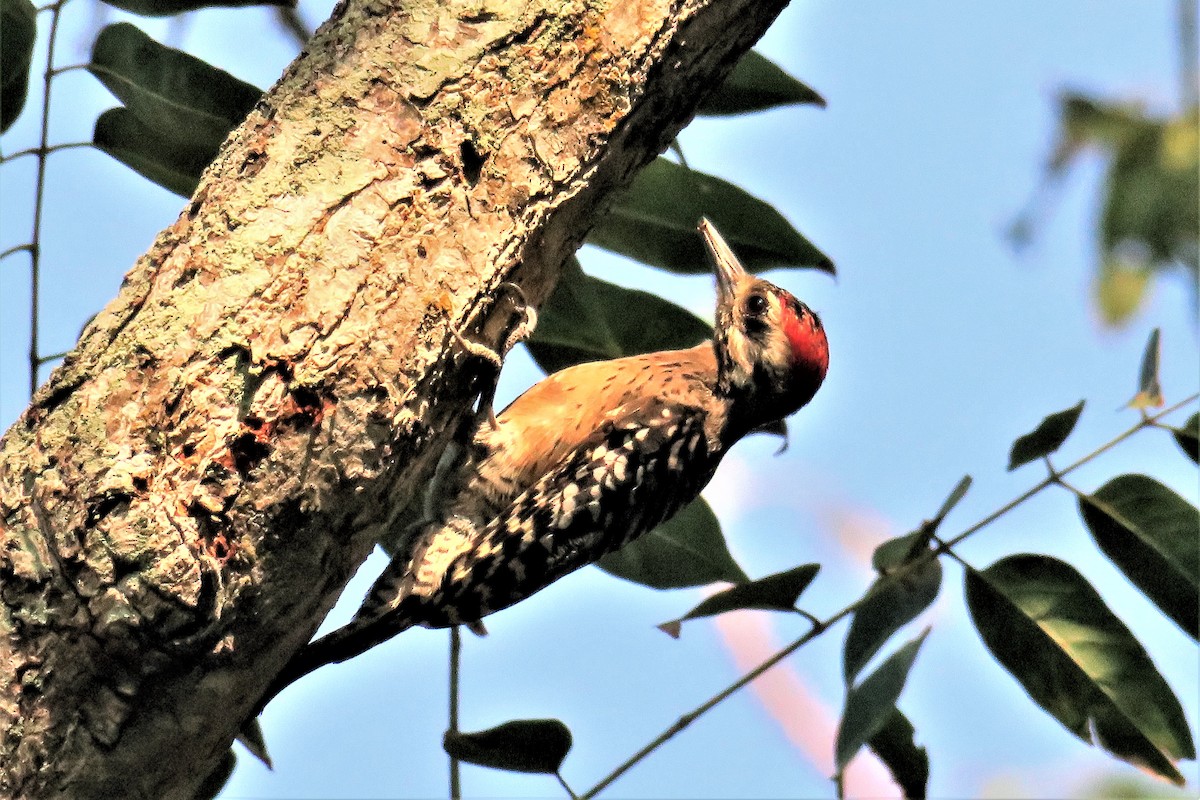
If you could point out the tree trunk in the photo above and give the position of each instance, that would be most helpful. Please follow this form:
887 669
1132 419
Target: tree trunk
183 501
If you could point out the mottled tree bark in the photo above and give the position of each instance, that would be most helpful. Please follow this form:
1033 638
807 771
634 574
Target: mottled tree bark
184 499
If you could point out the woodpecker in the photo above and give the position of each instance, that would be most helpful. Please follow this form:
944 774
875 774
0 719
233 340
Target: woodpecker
589 459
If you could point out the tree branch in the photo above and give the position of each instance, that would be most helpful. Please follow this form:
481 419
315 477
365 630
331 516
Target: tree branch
185 498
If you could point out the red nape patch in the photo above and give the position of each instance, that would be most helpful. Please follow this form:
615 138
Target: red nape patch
807 338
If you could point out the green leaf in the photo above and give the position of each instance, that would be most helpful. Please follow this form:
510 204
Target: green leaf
954 498
686 550
1149 394
1149 532
523 745
892 602
251 737
1049 628
896 747
654 221
18 30
177 95
777 592
162 8
895 553
870 704
1046 438
587 319
1188 437
172 166
757 84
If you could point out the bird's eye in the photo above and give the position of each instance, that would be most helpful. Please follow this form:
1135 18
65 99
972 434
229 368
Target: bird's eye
756 305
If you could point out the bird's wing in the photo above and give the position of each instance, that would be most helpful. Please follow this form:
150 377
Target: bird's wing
640 467
562 413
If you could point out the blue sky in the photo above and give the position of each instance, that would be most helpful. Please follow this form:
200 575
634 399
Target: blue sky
945 346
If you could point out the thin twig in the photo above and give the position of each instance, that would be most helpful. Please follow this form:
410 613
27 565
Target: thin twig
35 253
943 547
42 151
692 716
455 659
1145 422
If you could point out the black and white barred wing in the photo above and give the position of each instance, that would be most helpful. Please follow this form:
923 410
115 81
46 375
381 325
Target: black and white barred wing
632 474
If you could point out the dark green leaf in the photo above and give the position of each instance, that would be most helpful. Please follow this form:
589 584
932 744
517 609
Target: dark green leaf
954 498
1150 533
1050 629
18 29
162 8
778 592
165 162
686 550
1149 394
177 95
892 602
896 747
587 319
211 786
1046 438
251 737
654 221
757 84
1188 437
870 704
523 745
895 553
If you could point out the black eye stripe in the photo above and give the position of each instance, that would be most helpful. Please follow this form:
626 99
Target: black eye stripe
755 327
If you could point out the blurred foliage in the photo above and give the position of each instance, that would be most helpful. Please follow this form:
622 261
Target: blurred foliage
1131 787
18 28
1150 218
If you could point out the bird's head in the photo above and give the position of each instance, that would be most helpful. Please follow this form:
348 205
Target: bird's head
771 349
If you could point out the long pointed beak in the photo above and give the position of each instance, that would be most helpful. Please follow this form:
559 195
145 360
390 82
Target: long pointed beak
729 270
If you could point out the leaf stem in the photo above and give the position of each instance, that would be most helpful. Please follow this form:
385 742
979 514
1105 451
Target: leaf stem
562 781
12 251
944 548
52 357
69 68
820 627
